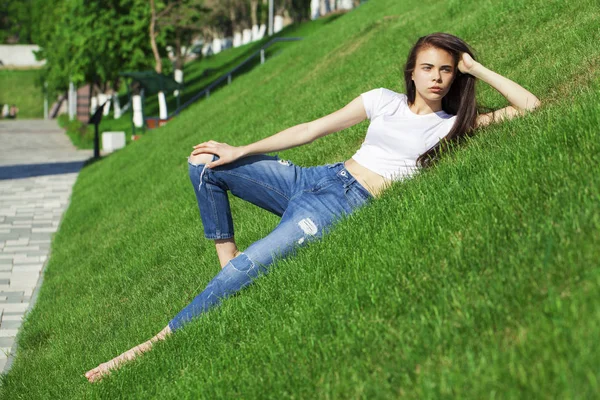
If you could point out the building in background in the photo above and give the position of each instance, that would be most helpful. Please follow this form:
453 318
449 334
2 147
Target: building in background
19 55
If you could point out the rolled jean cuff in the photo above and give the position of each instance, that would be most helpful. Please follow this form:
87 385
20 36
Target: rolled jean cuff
221 236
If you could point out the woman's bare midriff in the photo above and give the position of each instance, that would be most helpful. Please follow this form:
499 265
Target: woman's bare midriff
371 181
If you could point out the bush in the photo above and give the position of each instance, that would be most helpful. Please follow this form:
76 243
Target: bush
81 134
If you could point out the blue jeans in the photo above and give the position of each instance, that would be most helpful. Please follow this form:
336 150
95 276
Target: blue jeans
308 200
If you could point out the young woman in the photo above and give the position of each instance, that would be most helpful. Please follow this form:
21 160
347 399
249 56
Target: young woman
405 132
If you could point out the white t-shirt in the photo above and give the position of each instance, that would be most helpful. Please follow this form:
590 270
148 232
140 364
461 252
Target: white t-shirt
396 136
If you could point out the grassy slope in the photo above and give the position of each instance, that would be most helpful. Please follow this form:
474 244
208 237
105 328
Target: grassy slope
476 279
18 87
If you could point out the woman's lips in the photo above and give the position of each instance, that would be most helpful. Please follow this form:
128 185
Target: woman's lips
436 89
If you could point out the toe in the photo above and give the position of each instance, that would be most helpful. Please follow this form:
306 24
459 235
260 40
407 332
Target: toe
93 374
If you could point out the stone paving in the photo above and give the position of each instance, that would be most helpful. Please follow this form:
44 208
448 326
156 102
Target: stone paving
38 167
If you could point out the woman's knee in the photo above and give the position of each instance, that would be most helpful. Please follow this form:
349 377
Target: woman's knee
200 158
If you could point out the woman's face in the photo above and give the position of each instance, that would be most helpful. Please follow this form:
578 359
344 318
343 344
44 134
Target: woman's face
433 74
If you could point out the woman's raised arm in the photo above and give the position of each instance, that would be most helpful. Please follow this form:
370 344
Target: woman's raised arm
521 99
351 114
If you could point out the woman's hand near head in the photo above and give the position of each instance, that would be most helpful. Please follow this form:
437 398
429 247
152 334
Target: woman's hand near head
521 99
225 152
466 64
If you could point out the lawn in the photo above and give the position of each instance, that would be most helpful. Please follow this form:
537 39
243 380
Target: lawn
20 87
476 279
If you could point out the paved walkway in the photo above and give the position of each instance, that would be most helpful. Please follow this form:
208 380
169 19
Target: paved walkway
38 167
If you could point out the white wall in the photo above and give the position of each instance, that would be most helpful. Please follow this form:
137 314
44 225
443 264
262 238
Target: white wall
345 4
19 55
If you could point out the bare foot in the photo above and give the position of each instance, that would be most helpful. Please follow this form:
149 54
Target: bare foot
105 369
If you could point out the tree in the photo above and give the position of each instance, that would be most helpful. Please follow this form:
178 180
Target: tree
180 18
185 20
91 41
16 21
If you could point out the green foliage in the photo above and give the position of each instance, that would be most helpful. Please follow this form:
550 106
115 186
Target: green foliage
81 134
16 21
93 40
181 24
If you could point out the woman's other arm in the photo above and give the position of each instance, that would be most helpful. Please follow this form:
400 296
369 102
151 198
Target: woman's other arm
521 99
351 114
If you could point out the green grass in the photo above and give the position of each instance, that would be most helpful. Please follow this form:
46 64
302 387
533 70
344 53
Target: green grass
18 86
476 279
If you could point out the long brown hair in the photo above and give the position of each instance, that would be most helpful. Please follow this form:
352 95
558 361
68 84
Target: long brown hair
460 99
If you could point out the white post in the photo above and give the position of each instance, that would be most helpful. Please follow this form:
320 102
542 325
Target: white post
72 100
162 106
104 98
278 23
270 17
345 4
138 119
261 31
117 108
246 36
46 100
237 39
216 45
74 95
315 9
93 104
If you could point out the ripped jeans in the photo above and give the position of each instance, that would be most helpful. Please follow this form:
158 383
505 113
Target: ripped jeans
308 200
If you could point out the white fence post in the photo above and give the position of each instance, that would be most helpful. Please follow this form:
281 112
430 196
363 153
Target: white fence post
138 119
270 17
46 100
72 100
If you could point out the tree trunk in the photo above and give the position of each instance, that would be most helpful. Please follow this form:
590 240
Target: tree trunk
153 35
179 61
254 18
253 12
233 18
117 107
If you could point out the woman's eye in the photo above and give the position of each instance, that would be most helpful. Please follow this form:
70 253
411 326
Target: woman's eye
426 68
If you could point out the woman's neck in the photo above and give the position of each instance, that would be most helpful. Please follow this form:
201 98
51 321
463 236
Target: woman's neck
423 107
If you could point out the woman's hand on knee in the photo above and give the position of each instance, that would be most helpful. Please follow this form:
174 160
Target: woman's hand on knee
225 152
199 159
